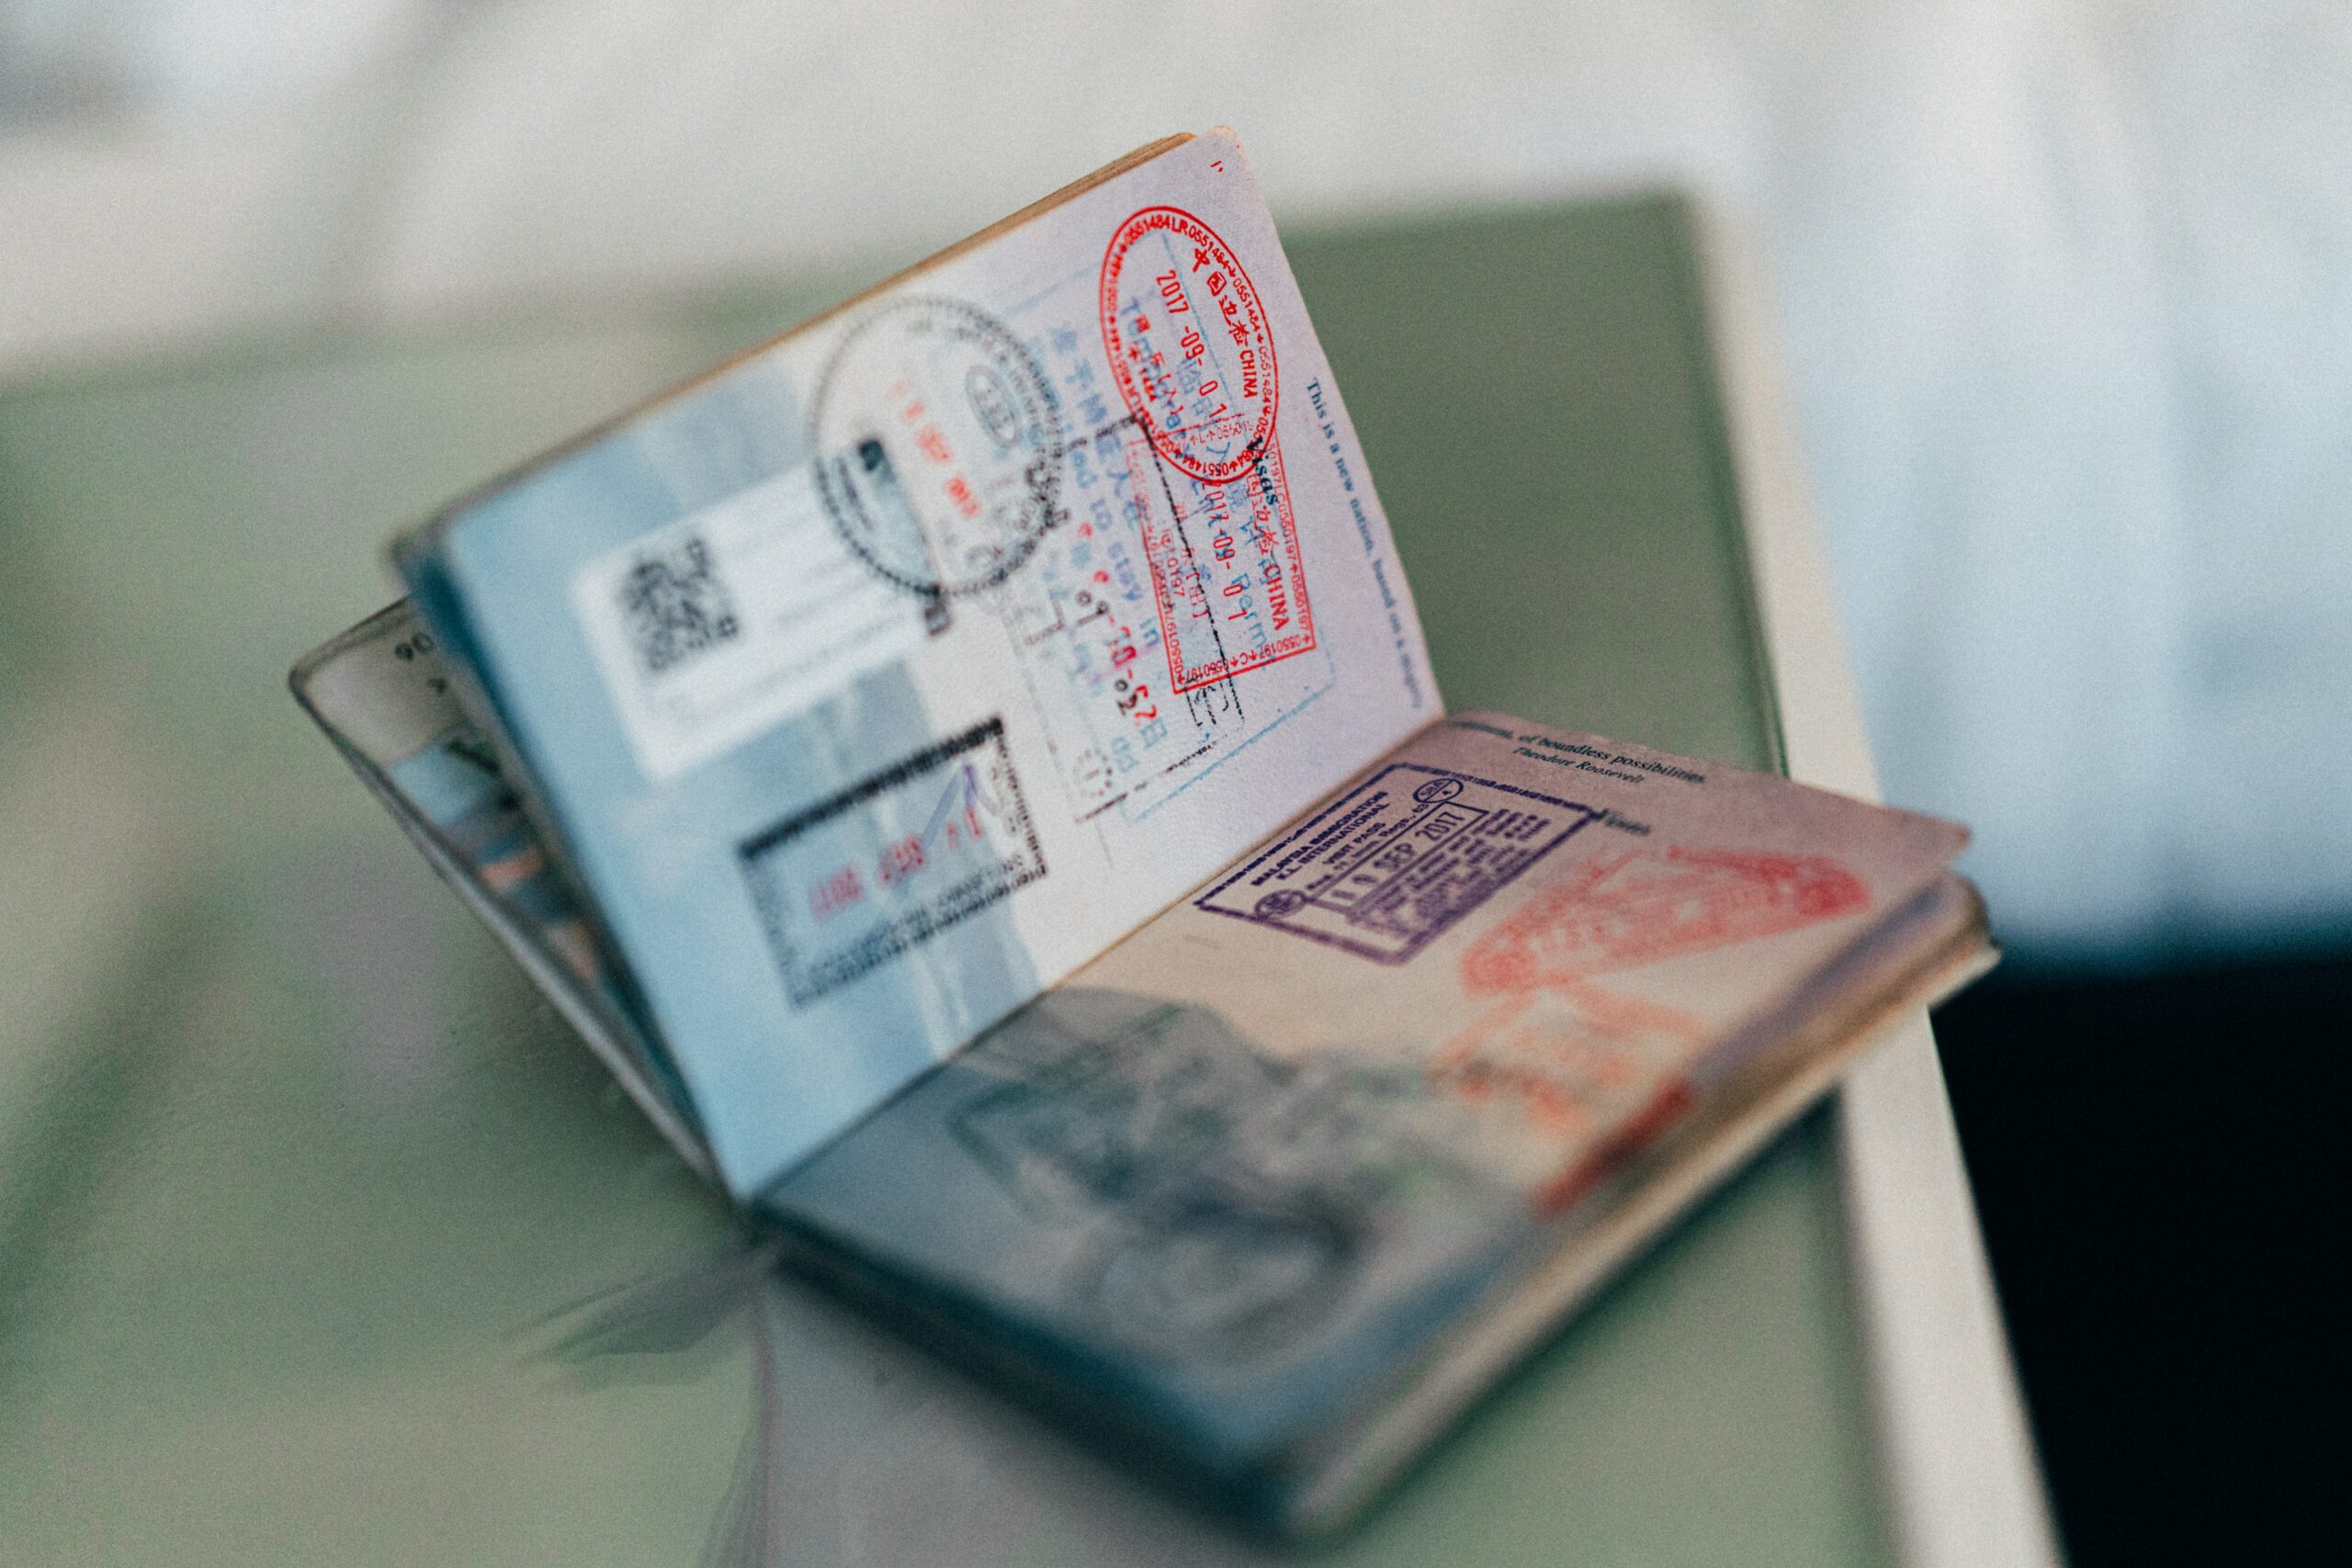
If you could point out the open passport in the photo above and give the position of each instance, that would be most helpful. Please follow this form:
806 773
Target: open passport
971 769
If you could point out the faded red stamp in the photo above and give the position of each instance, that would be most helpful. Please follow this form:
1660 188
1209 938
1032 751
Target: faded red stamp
1643 906
1188 344
1585 1078
1591 1075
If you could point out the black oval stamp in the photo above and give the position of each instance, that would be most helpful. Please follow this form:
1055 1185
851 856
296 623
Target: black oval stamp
939 446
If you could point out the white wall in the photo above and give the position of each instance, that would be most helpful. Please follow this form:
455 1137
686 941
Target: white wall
2066 287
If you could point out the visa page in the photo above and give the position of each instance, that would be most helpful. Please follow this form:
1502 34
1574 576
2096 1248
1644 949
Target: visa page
1266 1156
892 671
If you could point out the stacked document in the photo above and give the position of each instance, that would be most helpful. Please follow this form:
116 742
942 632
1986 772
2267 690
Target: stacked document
971 769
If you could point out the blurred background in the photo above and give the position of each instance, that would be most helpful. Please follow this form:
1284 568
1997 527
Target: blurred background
2064 289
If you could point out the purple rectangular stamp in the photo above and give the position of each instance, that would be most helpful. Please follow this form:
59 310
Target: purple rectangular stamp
1383 870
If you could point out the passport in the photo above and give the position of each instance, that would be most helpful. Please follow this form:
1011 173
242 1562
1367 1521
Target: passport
971 769
865 685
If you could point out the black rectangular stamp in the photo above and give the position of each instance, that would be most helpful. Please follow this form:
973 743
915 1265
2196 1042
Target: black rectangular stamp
1383 870
858 878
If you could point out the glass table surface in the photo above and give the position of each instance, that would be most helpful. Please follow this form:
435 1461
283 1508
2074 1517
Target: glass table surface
322 1239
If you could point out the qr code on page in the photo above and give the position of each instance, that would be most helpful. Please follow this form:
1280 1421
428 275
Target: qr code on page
674 605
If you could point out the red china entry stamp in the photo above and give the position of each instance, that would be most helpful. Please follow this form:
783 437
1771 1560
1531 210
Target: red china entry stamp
1192 355
1189 346
1227 578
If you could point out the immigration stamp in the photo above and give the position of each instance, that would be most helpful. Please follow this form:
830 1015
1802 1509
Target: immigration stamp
1189 344
1581 1078
1130 712
1592 1076
1386 869
1646 905
1193 356
859 878
1226 578
939 446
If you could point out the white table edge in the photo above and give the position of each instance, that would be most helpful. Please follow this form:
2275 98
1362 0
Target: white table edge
1956 1460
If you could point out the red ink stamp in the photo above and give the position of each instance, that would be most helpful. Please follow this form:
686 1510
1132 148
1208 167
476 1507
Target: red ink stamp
1585 1077
1191 350
1189 344
1226 576
1644 906
1595 1075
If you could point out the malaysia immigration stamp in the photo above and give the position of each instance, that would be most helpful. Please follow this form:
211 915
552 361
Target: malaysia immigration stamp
939 446
860 877
1387 867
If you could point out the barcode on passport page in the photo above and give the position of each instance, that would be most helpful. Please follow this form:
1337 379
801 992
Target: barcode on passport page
675 604
727 622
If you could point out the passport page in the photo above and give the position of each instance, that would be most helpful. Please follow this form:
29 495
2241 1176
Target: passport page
889 672
1280 1182
384 697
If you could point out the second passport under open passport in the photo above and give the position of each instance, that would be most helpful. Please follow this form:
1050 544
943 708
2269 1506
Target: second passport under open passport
970 766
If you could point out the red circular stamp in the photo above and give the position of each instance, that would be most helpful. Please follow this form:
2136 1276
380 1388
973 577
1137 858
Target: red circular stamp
1188 344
